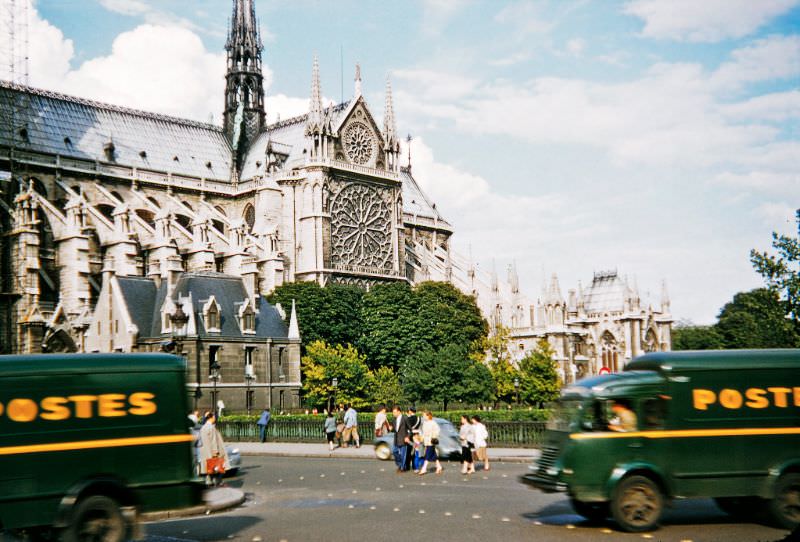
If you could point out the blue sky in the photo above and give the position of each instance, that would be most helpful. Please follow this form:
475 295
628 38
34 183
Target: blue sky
658 137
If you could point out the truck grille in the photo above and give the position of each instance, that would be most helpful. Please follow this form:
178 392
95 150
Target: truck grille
548 458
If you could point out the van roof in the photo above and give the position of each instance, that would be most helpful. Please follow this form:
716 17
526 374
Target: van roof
40 364
612 385
698 360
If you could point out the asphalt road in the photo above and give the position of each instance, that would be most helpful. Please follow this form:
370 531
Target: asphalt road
341 500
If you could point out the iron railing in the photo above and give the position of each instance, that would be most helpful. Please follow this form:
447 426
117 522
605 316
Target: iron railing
503 434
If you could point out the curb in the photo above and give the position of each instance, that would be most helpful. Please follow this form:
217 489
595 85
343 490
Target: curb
235 498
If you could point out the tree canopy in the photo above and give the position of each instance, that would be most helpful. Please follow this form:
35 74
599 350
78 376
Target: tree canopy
757 319
781 272
331 314
322 363
446 375
539 382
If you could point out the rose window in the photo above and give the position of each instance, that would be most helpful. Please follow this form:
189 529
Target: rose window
358 143
361 228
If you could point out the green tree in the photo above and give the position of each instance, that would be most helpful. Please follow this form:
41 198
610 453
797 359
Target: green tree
391 331
757 319
448 316
322 363
493 352
446 375
331 314
689 337
538 378
385 388
782 272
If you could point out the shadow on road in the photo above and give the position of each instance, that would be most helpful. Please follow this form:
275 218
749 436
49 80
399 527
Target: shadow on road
682 512
215 527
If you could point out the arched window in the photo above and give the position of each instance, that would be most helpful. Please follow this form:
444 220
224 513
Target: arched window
250 217
609 352
651 341
184 221
147 216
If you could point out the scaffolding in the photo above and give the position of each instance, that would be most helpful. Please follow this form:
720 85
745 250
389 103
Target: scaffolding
14 67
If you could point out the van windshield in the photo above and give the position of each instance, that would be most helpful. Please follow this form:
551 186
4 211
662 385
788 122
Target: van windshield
565 415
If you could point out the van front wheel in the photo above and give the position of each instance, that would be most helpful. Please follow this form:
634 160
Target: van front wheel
785 507
637 504
97 519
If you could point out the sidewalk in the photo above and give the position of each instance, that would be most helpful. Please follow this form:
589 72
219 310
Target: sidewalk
367 451
214 500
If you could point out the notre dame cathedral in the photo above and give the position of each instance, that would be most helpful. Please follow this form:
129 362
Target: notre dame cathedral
124 230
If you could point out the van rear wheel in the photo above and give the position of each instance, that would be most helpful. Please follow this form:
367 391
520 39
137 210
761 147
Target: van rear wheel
784 509
96 519
637 504
595 512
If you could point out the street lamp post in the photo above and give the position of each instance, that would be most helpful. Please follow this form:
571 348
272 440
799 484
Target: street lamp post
248 377
332 399
516 389
179 319
214 377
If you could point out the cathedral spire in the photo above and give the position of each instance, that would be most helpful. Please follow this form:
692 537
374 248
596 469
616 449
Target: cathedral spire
315 112
244 116
358 80
390 130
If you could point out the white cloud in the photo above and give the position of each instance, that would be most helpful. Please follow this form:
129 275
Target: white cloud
526 17
768 59
776 107
126 7
436 14
780 216
283 107
671 115
155 68
705 20
576 46
765 182
511 60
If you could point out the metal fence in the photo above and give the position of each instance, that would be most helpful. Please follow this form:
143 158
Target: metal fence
503 434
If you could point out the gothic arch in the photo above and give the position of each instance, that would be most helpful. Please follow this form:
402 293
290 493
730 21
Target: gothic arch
249 216
609 351
650 341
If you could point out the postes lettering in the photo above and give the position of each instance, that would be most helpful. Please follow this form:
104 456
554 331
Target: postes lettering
778 396
55 408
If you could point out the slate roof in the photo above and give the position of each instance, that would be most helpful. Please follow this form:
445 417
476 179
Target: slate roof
140 296
144 303
415 202
288 137
230 294
80 128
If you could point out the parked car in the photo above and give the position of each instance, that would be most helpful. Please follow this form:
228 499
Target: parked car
234 460
449 444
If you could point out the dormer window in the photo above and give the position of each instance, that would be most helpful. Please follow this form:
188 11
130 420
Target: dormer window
211 316
247 318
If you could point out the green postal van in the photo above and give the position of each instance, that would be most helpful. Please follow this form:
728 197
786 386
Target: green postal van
88 441
721 424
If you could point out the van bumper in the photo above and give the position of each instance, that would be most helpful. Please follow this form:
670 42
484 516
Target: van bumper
547 484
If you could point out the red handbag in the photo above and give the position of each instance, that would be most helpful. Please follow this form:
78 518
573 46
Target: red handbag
215 465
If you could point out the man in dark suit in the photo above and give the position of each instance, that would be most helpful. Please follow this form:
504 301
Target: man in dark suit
402 438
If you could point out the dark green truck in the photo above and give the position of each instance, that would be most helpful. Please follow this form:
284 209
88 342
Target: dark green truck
89 441
721 424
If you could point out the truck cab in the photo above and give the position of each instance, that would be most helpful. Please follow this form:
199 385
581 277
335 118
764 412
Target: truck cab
88 441
694 424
